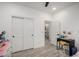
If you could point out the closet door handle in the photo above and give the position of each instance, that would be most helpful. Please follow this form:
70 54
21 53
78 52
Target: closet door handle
13 36
32 34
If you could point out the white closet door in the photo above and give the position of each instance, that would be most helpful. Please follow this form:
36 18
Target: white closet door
17 28
28 34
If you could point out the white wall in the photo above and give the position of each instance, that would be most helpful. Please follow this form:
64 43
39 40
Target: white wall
69 19
54 27
10 9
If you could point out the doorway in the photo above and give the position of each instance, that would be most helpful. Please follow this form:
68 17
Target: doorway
22 30
47 39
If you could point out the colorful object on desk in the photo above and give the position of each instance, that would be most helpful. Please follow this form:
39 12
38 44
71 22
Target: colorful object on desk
3 35
4 48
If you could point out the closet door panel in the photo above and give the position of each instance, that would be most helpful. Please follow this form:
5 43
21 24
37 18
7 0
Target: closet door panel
17 29
28 34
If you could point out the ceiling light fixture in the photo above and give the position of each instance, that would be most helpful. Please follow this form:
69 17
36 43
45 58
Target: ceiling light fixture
54 8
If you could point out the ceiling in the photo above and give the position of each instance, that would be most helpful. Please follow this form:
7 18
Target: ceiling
41 5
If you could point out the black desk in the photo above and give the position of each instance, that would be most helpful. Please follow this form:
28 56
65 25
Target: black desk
70 42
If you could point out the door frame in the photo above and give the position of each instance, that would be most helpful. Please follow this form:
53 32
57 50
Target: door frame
22 18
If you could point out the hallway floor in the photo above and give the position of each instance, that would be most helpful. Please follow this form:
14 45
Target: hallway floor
48 51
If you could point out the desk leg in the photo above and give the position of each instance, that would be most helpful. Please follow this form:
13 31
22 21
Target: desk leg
57 45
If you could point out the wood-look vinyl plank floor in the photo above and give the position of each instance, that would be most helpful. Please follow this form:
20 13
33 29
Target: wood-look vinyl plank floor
48 51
